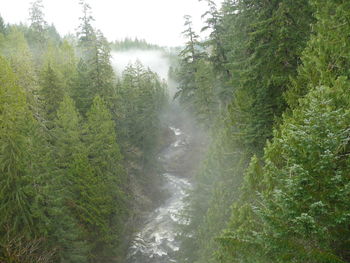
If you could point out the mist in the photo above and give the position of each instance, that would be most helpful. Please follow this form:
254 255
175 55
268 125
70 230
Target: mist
157 60
153 59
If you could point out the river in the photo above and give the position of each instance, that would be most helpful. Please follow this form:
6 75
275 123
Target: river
156 241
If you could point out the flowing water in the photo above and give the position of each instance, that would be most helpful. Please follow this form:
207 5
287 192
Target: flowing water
156 242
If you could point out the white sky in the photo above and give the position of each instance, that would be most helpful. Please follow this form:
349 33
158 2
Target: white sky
158 21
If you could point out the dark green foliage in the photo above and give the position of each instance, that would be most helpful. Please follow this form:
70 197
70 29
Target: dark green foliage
95 73
106 162
67 65
271 38
73 178
326 56
299 212
218 54
2 26
86 31
51 92
190 53
139 113
15 49
23 189
88 185
310 194
101 73
205 98
81 91
197 82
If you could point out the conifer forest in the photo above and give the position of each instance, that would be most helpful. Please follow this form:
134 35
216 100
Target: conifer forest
231 148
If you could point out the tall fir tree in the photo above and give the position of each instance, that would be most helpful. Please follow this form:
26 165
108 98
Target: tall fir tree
23 174
95 54
272 38
16 50
51 92
106 162
2 26
37 34
70 180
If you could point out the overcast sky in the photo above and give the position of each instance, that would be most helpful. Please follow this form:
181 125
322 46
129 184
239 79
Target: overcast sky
158 21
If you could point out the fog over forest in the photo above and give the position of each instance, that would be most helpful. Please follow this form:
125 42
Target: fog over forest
156 60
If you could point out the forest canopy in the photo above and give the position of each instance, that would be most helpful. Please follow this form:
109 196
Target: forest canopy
267 82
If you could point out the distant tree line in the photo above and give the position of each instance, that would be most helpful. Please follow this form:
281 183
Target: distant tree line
130 43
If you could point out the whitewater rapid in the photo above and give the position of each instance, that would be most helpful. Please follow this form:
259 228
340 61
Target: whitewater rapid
156 242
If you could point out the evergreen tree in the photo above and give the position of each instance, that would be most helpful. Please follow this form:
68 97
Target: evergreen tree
322 61
96 54
216 42
81 91
22 159
273 36
190 53
197 83
206 99
37 33
67 65
51 92
2 26
70 180
37 21
106 162
101 74
16 50
218 54
86 31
